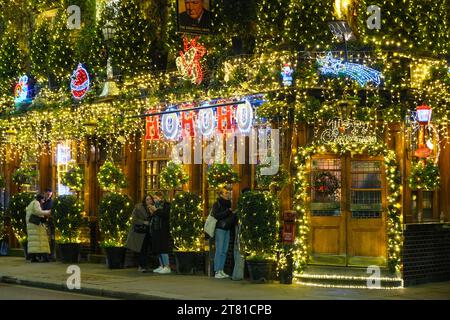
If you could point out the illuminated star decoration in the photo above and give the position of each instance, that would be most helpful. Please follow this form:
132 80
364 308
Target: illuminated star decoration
337 68
188 63
79 83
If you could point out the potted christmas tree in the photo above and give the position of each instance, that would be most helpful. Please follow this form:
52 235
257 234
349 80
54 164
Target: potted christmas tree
16 212
67 215
115 212
258 214
186 222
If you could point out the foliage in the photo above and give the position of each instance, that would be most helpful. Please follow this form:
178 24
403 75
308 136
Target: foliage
3 231
2 182
24 175
67 217
276 181
258 214
173 176
186 222
110 177
16 211
221 174
424 176
74 178
115 212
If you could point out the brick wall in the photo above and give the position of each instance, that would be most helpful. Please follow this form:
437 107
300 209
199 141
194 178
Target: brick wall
426 256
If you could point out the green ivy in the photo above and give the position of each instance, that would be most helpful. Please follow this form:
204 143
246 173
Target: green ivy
74 178
110 177
173 176
221 174
24 176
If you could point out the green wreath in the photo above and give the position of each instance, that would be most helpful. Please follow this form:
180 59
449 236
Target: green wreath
326 183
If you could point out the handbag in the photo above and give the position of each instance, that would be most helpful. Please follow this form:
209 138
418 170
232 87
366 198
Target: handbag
34 219
141 228
210 225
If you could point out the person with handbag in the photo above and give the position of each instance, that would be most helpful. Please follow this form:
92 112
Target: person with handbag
139 238
160 231
226 219
38 244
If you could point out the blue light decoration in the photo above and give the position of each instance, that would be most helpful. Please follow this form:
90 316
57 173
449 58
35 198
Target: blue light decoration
286 75
332 67
23 92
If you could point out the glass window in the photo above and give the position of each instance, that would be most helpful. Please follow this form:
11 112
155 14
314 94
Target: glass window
366 197
326 187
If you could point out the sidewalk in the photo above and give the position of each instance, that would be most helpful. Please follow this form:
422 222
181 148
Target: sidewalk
97 280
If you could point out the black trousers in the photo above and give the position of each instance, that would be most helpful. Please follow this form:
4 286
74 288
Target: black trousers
144 252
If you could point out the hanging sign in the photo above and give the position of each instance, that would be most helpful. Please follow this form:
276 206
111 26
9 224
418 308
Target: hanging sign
332 67
79 83
177 123
286 75
188 63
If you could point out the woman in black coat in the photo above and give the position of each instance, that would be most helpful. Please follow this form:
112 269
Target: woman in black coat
160 231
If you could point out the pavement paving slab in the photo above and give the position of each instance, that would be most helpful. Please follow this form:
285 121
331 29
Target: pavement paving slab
97 279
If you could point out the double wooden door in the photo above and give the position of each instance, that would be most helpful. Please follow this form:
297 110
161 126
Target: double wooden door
348 223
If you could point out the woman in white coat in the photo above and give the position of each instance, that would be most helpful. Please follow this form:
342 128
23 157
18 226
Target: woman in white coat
38 244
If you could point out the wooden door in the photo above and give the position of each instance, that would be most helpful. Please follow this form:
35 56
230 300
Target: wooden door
328 234
346 211
366 229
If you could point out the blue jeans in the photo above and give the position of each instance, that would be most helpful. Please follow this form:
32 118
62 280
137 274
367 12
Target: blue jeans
222 241
163 259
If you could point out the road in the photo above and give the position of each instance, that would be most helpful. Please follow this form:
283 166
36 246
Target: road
15 292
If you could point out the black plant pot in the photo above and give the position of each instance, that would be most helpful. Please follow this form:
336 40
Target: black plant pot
115 257
286 274
260 272
186 262
69 252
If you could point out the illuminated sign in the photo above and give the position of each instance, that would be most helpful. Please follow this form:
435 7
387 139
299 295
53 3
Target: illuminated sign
337 68
175 123
79 83
188 63
286 75
22 92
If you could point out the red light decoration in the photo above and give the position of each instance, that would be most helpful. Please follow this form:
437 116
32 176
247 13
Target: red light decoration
188 63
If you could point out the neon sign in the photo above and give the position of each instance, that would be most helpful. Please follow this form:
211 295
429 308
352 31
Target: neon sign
178 123
337 68
188 63
286 75
22 91
80 82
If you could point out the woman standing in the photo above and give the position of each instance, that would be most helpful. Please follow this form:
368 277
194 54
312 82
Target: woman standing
139 236
38 244
225 221
160 231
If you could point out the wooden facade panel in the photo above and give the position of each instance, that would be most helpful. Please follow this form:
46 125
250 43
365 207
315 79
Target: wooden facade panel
326 239
366 242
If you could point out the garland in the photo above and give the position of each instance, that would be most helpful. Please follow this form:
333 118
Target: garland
24 176
326 183
219 175
173 176
110 177
424 176
276 182
299 250
74 178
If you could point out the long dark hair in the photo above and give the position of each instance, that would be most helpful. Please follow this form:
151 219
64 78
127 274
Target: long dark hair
144 203
39 197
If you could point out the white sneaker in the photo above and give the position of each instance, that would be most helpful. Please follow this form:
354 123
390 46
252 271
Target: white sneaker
165 270
224 274
158 270
219 275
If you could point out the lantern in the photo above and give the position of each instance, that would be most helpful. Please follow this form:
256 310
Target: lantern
423 114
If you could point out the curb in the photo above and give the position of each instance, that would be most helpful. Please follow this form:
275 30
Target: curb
86 291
